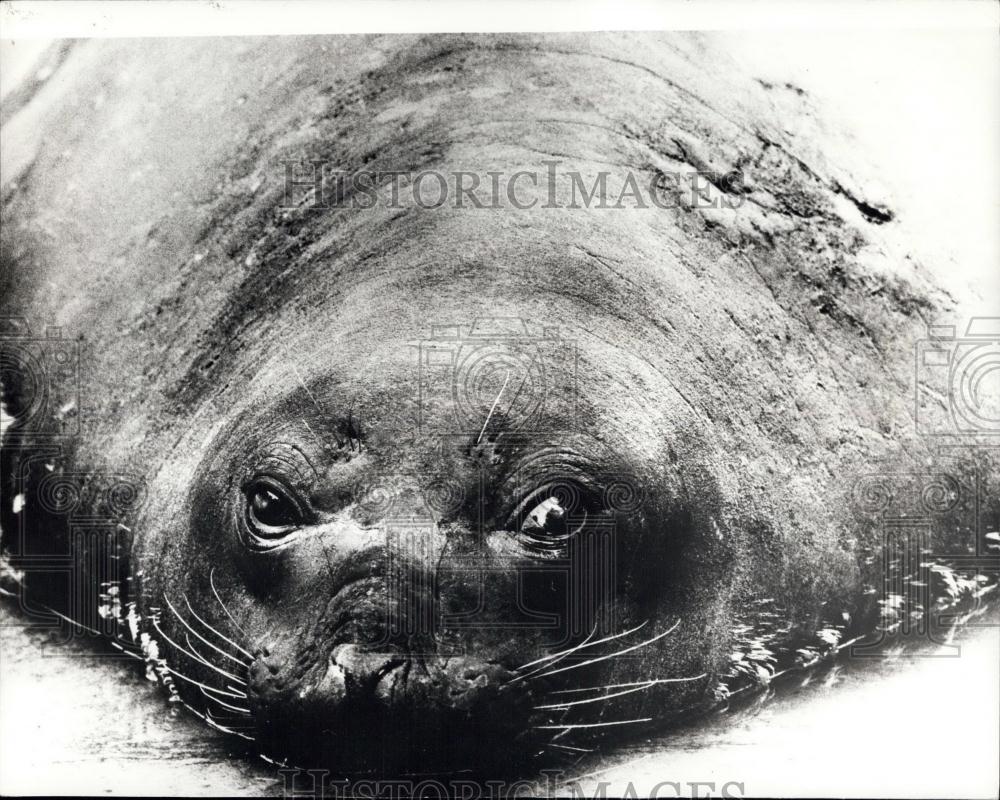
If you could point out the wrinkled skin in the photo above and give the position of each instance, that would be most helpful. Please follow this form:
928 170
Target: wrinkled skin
735 367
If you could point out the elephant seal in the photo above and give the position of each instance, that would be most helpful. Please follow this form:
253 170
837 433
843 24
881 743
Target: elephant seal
401 486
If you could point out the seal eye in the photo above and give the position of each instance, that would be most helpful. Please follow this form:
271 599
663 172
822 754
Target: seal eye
271 510
551 516
546 518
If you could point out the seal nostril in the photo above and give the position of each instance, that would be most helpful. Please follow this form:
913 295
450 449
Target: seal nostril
272 664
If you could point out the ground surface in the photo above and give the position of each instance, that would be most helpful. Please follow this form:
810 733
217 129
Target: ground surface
74 723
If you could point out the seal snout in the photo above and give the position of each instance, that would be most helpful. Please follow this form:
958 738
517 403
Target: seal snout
356 702
355 673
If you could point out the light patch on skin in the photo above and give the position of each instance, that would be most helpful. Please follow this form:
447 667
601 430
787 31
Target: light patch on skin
111 607
11 579
157 670
151 652
766 650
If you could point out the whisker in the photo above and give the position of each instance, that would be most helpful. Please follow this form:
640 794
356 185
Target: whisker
192 648
600 699
569 747
560 655
117 646
116 643
211 582
637 687
650 682
555 658
493 407
283 763
524 380
191 655
237 709
611 655
192 681
591 724
213 630
71 621
184 622
208 718
585 643
198 653
238 694
193 710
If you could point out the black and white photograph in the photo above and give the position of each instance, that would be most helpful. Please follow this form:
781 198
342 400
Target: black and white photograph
498 400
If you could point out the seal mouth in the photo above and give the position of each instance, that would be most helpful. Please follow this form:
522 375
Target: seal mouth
354 698
414 712
355 707
363 709
355 676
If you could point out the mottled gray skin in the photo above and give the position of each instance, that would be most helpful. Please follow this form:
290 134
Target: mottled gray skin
738 365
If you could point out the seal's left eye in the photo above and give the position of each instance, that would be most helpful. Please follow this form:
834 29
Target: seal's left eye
271 510
552 515
548 516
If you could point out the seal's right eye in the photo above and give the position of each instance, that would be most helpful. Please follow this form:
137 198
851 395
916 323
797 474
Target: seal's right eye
552 515
272 512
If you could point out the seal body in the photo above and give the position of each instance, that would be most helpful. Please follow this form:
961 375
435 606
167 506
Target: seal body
388 485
